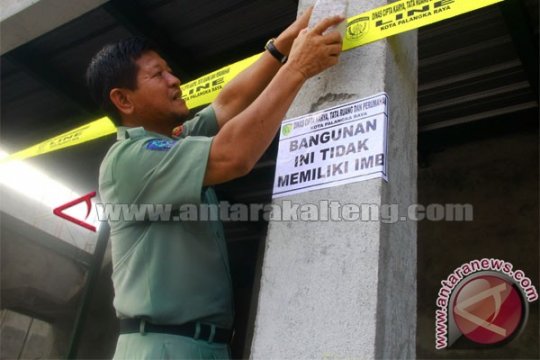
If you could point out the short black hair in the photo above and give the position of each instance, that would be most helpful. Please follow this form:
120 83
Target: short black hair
114 66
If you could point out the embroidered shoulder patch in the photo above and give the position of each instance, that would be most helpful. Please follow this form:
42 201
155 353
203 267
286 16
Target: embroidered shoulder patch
159 144
177 131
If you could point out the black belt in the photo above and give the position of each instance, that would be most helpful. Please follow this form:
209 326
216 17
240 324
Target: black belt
137 325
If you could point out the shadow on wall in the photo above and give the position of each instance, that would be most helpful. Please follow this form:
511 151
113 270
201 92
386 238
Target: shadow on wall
499 177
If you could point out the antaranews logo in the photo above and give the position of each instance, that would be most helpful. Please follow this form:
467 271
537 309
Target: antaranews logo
87 200
484 301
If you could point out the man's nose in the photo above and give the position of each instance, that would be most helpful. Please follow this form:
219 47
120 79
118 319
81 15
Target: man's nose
173 80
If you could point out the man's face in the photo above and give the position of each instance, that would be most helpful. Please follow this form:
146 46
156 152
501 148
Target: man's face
158 97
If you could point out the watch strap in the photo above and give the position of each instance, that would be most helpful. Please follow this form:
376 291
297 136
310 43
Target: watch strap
275 52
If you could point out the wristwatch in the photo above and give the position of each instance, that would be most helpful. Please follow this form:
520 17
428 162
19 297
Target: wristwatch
275 52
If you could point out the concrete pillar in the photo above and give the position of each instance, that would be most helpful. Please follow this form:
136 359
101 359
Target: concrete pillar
339 290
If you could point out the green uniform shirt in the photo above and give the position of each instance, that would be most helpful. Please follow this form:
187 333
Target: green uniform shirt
171 272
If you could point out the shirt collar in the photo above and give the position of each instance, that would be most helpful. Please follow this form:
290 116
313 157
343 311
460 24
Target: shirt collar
125 132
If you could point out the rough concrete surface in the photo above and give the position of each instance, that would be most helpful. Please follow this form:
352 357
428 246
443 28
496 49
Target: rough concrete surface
347 289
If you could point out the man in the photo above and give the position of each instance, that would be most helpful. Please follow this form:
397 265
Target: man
172 285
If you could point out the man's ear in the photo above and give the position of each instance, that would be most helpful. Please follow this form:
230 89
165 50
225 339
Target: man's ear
120 98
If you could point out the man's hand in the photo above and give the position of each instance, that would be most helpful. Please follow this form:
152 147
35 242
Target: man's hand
285 40
301 23
241 141
312 52
244 89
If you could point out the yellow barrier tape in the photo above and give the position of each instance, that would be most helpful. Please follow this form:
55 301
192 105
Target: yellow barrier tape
373 25
93 130
362 29
205 89
402 16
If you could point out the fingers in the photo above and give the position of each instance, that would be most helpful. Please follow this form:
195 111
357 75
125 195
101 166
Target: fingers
334 50
307 13
332 37
303 20
312 52
326 23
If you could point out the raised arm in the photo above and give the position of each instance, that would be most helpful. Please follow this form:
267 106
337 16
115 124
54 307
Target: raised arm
242 140
238 94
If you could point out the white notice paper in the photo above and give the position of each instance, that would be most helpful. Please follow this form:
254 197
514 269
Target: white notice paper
332 147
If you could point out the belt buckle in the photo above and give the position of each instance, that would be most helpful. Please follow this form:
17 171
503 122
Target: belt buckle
142 326
204 332
197 333
212 334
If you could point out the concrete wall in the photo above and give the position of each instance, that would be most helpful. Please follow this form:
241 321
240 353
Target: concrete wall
23 337
41 279
36 214
499 176
36 279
